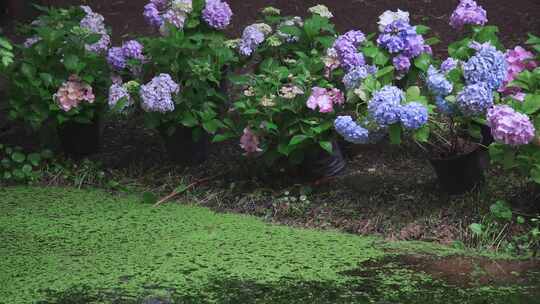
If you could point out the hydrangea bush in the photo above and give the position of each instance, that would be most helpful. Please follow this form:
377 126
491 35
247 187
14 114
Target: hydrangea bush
62 74
176 76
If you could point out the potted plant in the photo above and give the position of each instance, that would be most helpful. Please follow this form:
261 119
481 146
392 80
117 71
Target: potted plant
180 73
284 112
61 76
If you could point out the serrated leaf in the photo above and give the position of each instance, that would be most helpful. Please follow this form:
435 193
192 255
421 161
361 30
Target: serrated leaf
327 146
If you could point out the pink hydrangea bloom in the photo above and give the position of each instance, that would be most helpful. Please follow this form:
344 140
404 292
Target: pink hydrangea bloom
250 142
519 60
72 93
324 99
510 127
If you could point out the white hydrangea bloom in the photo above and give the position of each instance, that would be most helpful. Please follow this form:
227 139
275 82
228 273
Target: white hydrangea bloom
321 10
388 17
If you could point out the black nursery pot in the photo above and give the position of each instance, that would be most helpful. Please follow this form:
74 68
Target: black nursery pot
80 139
182 149
459 174
324 164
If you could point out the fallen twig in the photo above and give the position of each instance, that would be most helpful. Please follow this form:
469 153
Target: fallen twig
184 189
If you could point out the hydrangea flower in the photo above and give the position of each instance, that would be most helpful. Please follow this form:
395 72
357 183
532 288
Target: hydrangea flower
29 42
488 65
401 63
174 12
437 83
252 37
413 115
321 10
385 105
95 23
350 130
217 14
444 106
475 99
157 95
389 17
116 58
518 60
331 61
271 11
510 127
468 12
72 93
116 93
324 99
449 64
354 77
250 142
290 91
346 49
133 49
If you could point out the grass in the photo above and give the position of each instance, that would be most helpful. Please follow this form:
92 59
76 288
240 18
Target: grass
85 246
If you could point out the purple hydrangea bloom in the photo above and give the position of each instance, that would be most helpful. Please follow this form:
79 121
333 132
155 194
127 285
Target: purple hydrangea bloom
449 64
413 115
346 48
101 45
401 63
116 93
475 99
510 127
437 83
157 95
394 44
152 15
217 14
355 76
488 65
384 106
133 49
29 42
350 130
401 37
252 37
468 12
93 22
116 58
415 45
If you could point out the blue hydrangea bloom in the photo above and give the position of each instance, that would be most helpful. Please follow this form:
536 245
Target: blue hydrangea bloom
384 113
413 115
157 95
437 83
488 66
350 130
449 64
390 94
444 106
354 78
475 99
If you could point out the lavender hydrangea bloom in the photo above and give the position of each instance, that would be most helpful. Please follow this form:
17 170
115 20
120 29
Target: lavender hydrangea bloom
116 58
355 76
413 115
157 95
217 14
152 15
101 45
350 130
116 93
401 63
449 64
468 12
174 12
346 48
475 99
29 42
385 105
437 83
94 23
394 44
133 49
488 65
252 37
510 127
401 37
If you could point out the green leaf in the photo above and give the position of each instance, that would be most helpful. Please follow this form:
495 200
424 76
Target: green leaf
535 174
298 139
34 159
422 29
27 169
509 158
423 62
395 134
326 145
28 70
212 126
384 71
433 41
46 78
422 134
501 211
188 120
221 138
531 103
476 228
18 157
413 93
381 59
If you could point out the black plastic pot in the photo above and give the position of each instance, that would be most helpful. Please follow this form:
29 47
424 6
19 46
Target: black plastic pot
80 139
182 149
324 164
459 174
